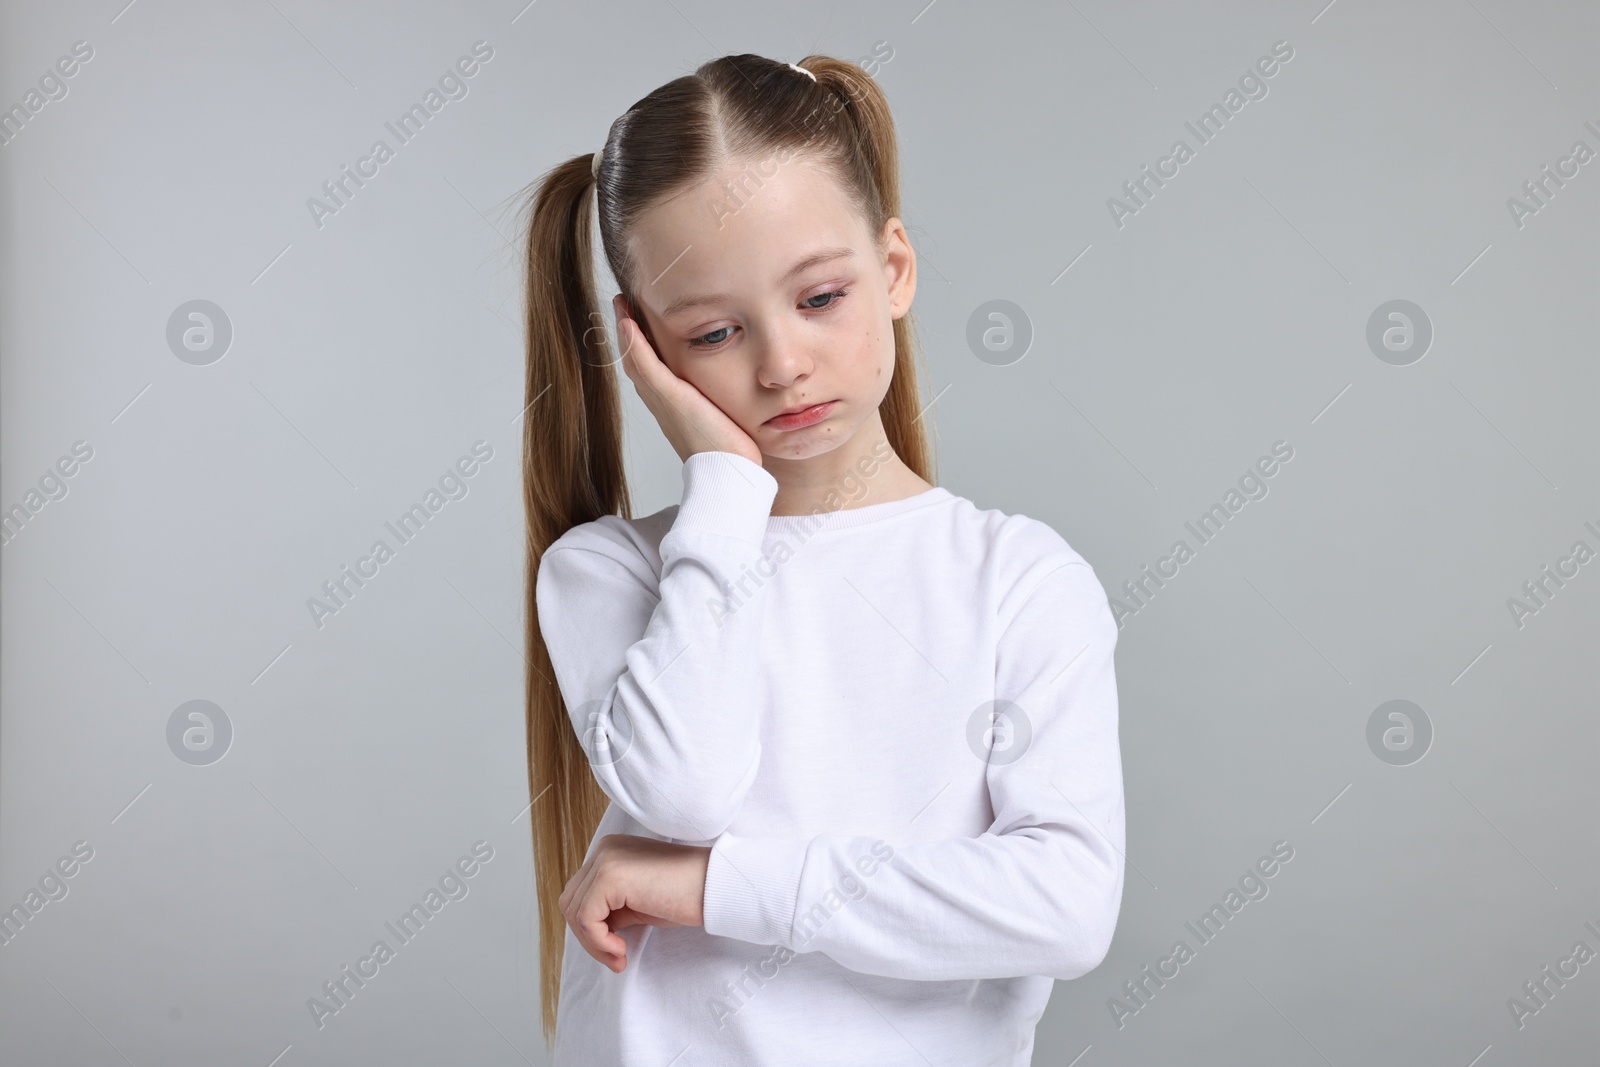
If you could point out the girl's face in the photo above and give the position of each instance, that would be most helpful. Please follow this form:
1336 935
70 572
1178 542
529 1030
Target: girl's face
765 290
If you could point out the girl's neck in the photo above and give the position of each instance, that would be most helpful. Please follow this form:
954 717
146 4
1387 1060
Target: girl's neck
822 481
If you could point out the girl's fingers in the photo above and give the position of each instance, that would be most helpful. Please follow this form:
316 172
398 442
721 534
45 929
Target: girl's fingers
572 883
640 360
597 937
630 341
630 360
578 888
618 886
629 345
585 908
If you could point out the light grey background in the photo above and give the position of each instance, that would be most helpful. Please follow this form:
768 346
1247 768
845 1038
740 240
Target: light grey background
369 354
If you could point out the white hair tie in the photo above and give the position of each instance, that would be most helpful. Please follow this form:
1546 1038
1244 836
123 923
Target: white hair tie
804 71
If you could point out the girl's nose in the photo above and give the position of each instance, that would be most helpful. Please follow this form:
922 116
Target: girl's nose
784 360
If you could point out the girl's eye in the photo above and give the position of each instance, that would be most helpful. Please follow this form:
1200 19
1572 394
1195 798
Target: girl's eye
701 342
711 340
837 294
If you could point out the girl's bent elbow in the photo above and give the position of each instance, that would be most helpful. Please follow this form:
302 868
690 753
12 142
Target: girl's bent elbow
684 801
704 814
1079 957
1094 932
677 825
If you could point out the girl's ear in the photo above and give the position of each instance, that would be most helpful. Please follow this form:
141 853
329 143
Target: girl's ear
900 263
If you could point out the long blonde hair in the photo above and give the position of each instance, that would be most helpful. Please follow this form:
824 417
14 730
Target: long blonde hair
735 107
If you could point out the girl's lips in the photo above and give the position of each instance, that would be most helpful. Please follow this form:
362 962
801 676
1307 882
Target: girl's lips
805 417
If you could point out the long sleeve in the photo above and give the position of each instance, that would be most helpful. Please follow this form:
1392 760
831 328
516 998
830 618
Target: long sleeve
1038 893
661 683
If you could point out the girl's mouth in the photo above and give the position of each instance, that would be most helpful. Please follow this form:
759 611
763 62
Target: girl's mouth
805 417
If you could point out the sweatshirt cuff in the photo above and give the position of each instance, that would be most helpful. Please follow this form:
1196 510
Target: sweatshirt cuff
752 884
726 494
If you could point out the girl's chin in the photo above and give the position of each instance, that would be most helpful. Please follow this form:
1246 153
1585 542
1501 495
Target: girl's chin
796 445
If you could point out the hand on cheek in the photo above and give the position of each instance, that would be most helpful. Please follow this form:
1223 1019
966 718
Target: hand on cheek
691 422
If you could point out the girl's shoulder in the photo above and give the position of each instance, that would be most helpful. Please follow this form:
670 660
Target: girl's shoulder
1029 559
1016 538
1016 553
632 544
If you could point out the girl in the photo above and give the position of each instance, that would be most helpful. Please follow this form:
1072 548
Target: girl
824 758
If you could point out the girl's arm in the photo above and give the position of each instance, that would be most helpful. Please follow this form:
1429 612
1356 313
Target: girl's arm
1036 894
660 682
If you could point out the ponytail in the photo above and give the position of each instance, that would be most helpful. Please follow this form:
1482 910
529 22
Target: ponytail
572 474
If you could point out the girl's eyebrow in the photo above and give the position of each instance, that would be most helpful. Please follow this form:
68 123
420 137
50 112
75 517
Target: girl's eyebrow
821 255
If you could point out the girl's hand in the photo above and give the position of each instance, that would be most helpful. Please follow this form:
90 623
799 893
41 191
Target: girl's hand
631 880
689 419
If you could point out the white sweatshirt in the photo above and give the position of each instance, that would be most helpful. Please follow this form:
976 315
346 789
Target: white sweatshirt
900 865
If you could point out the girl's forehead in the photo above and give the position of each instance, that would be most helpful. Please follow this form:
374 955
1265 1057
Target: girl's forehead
747 195
717 236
